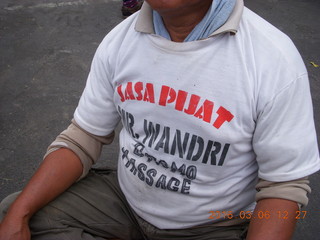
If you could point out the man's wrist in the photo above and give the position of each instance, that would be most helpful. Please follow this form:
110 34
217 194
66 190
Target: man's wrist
19 213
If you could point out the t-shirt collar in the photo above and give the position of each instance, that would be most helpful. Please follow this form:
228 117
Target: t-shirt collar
144 22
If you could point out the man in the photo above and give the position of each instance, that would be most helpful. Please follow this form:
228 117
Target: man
214 103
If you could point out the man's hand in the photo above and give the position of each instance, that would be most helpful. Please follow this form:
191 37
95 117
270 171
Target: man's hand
273 226
14 229
58 171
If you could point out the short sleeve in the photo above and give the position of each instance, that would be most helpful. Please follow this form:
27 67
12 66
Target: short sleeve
285 140
96 111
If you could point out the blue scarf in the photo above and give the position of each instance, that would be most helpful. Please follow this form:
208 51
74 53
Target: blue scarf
216 16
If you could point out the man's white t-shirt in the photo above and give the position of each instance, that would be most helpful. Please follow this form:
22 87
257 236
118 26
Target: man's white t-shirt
202 120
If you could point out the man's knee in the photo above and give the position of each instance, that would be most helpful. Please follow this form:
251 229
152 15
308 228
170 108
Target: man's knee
6 203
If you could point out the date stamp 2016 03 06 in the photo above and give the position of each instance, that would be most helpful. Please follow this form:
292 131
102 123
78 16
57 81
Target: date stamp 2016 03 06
260 215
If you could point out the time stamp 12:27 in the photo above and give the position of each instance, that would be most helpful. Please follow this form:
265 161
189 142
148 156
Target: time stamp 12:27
259 215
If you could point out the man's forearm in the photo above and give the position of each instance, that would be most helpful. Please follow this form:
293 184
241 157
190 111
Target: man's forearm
273 219
58 171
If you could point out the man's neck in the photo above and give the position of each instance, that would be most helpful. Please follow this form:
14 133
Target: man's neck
180 24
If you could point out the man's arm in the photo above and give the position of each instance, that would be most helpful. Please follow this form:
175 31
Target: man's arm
273 219
58 171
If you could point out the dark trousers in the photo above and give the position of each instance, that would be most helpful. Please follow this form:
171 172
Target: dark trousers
95 209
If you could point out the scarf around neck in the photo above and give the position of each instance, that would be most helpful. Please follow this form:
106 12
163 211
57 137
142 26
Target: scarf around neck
216 16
